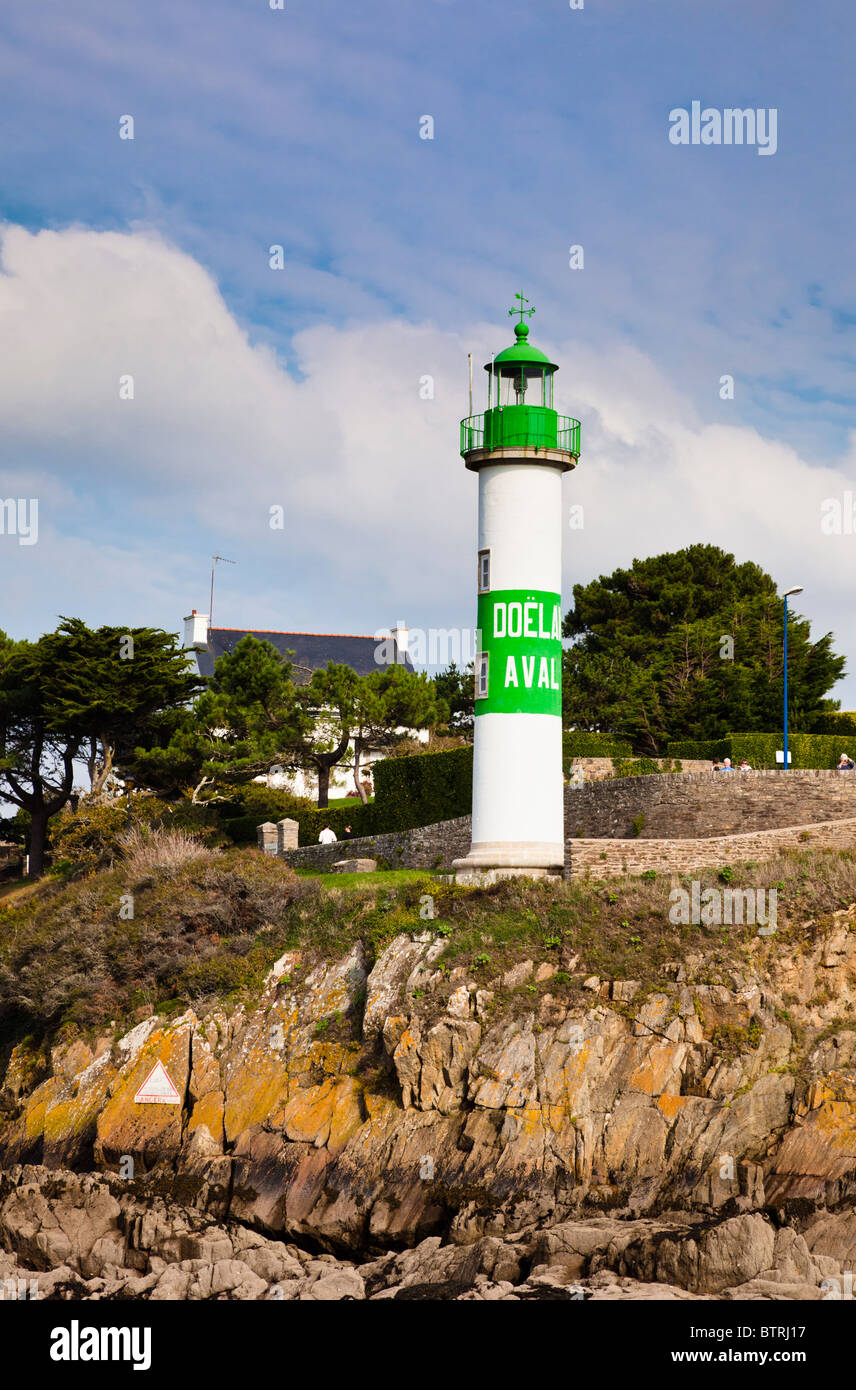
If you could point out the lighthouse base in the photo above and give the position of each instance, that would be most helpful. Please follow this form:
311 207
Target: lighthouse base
487 863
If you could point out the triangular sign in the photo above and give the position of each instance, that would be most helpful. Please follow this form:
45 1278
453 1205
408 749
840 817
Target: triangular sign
158 1088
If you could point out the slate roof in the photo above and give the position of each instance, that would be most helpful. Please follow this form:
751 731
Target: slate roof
312 650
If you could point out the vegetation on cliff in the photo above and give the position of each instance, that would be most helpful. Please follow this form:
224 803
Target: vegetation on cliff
133 938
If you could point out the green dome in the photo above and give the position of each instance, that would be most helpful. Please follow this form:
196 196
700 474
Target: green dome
521 351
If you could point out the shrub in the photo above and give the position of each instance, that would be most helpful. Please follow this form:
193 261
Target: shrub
242 830
639 767
267 803
759 749
580 743
89 838
150 850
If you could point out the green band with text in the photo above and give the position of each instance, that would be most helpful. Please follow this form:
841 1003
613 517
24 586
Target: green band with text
521 633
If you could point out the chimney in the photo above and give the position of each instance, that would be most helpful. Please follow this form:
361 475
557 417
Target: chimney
400 633
196 632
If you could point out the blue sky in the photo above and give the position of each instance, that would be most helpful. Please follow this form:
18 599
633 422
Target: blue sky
299 387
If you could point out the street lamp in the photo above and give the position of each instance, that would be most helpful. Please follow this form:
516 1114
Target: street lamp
797 589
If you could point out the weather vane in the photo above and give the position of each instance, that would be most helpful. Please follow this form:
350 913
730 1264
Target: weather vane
521 311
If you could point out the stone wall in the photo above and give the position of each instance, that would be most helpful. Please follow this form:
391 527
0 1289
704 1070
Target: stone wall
696 805
605 858
678 808
429 847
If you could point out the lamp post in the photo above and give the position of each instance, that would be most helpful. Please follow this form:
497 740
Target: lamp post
797 589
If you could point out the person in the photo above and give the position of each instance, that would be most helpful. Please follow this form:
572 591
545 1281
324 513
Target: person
349 834
327 836
726 765
845 763
716 767
744 766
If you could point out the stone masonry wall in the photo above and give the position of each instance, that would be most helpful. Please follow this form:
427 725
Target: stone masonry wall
678 808
696 805
429 847
604 858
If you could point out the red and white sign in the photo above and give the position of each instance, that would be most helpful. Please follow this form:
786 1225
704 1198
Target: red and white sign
158 1088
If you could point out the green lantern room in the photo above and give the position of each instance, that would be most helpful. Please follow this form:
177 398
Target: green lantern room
520 409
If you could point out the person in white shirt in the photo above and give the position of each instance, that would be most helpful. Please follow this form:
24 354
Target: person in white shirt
327 836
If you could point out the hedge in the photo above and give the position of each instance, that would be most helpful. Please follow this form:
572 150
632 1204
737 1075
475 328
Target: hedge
759 749
841 724
689 748
581 743
363 820
423 789
409 792
806 750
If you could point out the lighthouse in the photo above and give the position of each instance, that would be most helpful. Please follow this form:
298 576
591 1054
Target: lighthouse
520 448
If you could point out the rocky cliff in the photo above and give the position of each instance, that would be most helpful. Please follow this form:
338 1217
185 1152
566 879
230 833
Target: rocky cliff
397 1128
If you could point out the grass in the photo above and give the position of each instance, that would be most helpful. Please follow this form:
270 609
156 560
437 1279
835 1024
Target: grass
17 888
209 932
152 849
381 878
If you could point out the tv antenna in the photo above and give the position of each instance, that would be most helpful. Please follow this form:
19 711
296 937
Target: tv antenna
215 560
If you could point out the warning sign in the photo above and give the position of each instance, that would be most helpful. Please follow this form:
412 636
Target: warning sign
158 1088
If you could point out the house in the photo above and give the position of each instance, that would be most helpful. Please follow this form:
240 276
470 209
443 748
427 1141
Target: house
308 652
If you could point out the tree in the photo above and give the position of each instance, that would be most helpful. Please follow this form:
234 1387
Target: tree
387 704
374 710
246 722
113 680
253 718
457 690
689 645
36 758
71 691
328 704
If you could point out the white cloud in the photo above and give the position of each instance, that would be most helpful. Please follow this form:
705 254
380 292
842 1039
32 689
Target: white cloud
380 512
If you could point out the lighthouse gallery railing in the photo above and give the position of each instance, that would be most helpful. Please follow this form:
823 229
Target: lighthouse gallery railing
505 430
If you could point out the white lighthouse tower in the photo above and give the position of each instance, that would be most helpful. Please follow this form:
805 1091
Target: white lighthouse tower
520 448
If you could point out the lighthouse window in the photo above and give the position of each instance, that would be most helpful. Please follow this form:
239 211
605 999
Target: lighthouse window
484 571
481 675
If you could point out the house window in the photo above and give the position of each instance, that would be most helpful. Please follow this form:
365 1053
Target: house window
481 675
484 571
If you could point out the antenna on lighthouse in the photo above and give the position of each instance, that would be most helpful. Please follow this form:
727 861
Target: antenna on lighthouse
470 361
215 559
